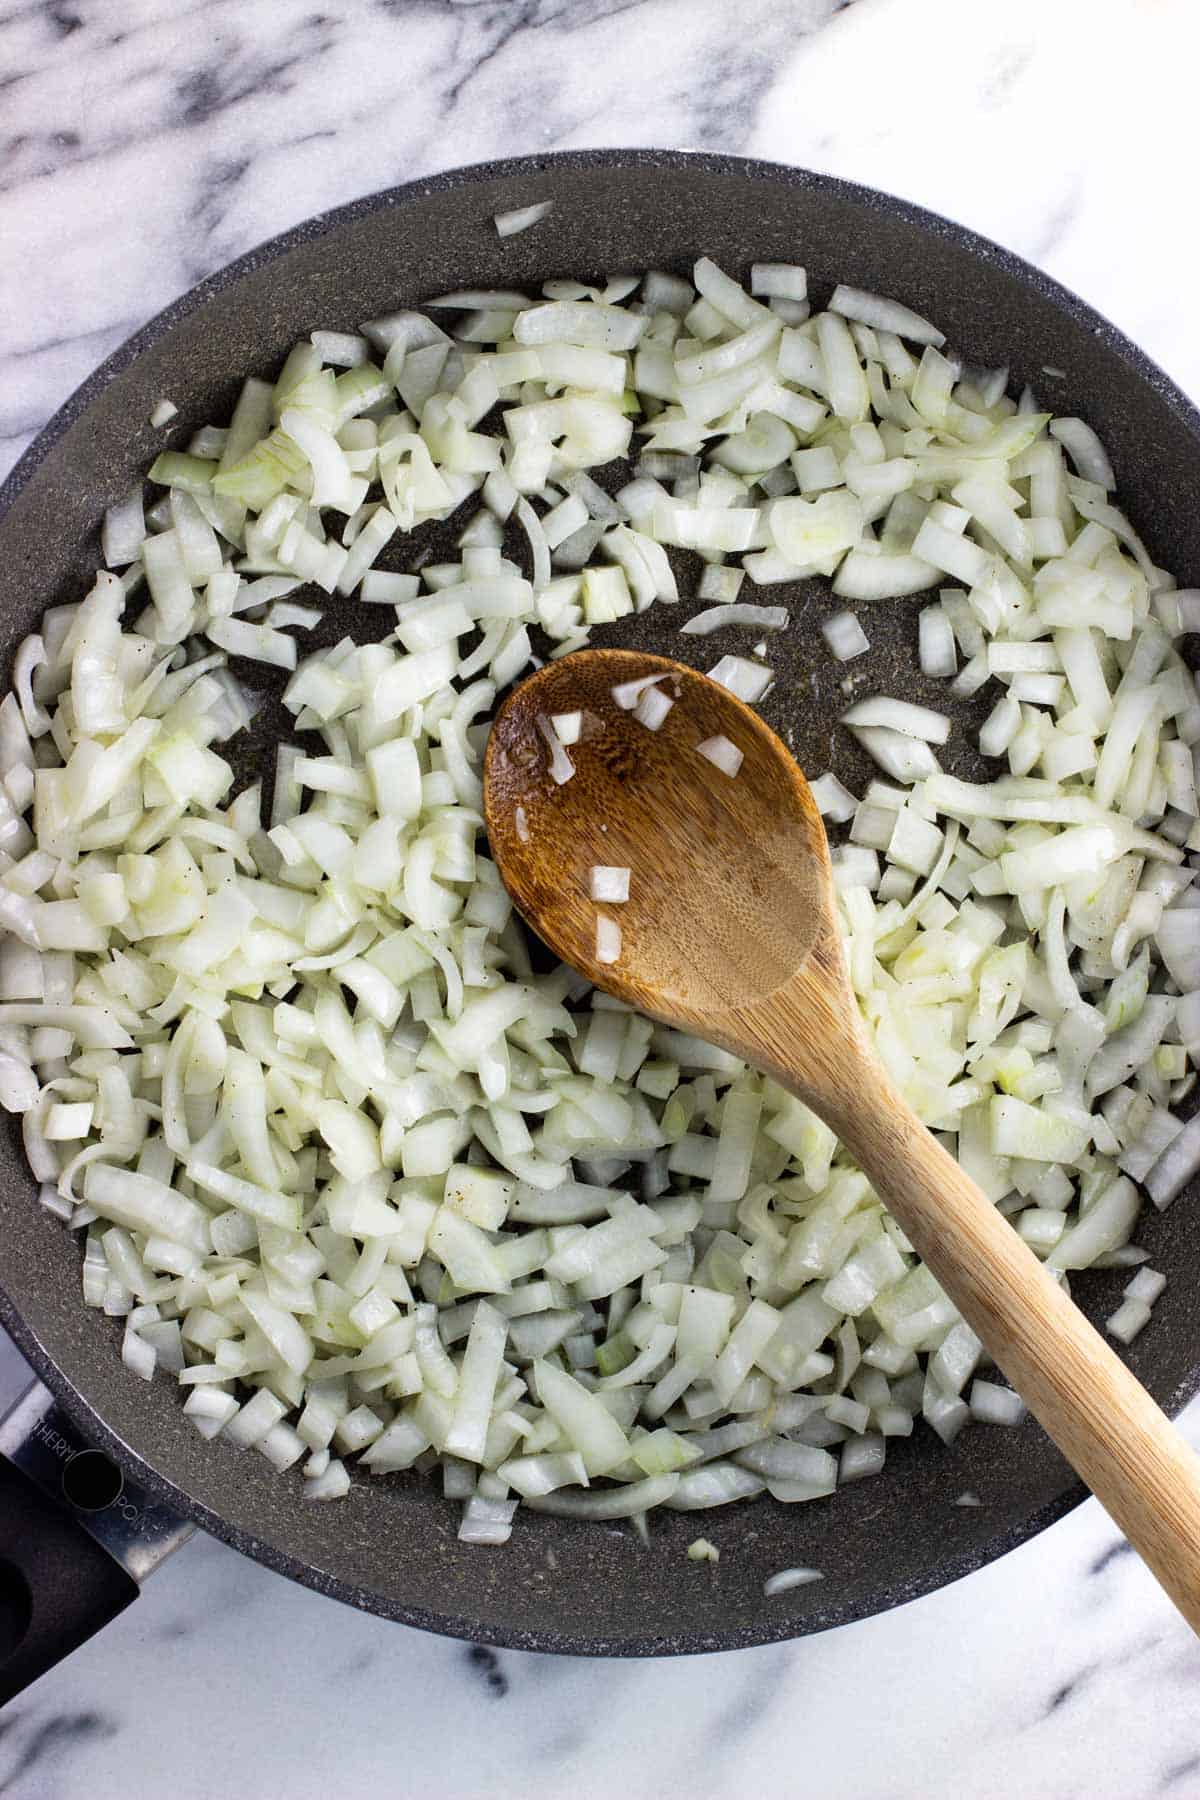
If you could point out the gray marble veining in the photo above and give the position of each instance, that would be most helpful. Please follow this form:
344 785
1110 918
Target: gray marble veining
144 143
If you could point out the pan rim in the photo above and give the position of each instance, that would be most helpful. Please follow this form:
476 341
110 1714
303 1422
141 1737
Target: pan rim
162 1488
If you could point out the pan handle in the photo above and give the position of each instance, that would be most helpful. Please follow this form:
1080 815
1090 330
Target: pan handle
57 1586
76 1538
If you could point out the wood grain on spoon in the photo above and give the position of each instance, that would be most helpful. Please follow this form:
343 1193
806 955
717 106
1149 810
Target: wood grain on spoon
730 932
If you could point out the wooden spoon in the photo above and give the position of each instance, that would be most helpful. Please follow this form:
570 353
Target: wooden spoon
730 932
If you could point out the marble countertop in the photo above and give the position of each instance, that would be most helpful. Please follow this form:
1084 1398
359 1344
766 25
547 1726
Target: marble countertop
144 143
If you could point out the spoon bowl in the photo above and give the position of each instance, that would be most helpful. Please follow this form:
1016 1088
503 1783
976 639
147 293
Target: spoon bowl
744 854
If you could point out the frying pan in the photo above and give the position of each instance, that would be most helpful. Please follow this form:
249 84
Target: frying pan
390 1546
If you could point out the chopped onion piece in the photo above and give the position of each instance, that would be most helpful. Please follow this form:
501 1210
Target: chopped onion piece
716 618
609 884
995 1405
1146 1286
608 940
628 693
833 800
902 716
652 708
508 224
1086 451
845 636
786 1579
567 726
884 315
1176 1166
907 758
1130 1318
937 652
747 680
625 1502
561 766
124 531
722 754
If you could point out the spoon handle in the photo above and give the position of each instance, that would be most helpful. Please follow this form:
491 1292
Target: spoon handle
1125 1448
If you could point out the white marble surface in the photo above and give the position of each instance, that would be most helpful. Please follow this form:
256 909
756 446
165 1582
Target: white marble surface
144 143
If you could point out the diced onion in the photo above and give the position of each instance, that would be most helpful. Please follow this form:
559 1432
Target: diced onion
938 655
833 800
610 885
359 1172
747 680
716 618
902 716
884 315
561 766
786 1579
628 693
1130 1318
845 636
508 224
995 1405
898 753
722 754
652 708
608 940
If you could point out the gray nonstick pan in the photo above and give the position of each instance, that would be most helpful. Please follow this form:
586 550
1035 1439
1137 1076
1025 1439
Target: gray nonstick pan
390 1547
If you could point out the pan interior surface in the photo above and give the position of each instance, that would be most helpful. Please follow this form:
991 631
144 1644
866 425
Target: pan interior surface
390 1546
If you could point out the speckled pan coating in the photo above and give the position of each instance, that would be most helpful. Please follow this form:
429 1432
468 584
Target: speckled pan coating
390 1547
